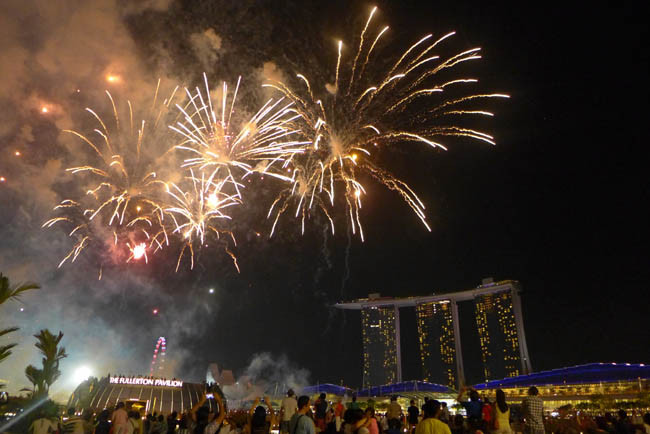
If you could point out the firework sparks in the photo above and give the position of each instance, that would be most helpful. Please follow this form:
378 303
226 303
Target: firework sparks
198 213
124 195
345 124
218 148
321 141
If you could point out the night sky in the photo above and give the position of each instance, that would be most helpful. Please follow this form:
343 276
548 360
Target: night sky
557 204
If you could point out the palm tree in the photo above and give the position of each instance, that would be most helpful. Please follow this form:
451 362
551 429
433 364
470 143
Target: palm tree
8 292
35 376
48 344
5 350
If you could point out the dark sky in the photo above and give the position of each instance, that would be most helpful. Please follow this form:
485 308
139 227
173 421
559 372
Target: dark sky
557 204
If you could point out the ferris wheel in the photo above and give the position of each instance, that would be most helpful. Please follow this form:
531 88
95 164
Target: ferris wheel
158 360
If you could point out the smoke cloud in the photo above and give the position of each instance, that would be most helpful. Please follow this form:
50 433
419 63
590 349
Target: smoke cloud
276 372
49 77
266 374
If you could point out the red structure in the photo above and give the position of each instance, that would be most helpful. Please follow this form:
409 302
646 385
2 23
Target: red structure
158 360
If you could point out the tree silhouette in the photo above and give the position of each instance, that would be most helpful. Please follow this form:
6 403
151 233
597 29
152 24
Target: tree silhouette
8 292
48 344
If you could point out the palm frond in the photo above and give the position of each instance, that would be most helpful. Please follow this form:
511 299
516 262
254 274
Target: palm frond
9 330
7 291
5 351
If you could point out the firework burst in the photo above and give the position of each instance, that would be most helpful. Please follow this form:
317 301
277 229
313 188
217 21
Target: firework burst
198 214
346 122
122 203
215 146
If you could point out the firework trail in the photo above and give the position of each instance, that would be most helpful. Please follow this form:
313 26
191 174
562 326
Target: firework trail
263 144
345 123
122 205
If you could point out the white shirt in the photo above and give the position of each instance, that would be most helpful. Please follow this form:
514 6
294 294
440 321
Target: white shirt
44 426
290 406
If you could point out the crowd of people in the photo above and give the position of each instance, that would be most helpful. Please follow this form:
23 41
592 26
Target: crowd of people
302 415
495 416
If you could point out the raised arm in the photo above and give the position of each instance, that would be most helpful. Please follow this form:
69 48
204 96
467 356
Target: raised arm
255 404
222 409
267 400
197 406
248 427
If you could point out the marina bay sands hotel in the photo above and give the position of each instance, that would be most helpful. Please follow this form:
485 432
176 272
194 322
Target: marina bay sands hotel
499 323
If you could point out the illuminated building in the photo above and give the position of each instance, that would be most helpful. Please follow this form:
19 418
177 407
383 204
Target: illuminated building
142 394
597 386
381 352
498 332
498 318
437 342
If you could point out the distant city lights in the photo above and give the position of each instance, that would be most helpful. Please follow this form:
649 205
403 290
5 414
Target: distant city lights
155 311
44 109
211 290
